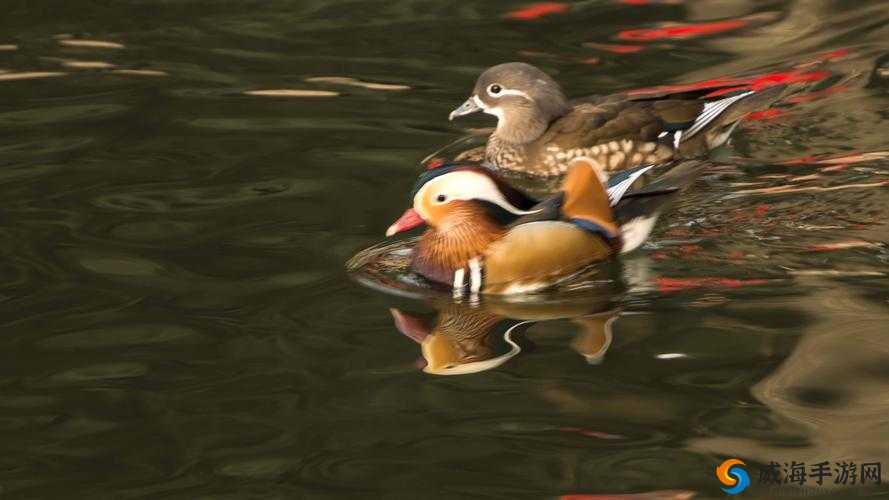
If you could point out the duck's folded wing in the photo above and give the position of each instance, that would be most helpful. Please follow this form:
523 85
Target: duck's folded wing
696 124
616 135
599 124
534 254
649 127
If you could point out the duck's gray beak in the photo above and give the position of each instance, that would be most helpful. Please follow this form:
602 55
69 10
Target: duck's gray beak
468 107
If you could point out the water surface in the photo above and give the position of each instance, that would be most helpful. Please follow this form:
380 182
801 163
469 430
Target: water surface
182 182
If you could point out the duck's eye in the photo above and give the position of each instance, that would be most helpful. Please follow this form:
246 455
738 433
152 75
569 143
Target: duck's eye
494 89
441 198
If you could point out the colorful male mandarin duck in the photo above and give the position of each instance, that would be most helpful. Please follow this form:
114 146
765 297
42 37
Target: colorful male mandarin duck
486 236
540 132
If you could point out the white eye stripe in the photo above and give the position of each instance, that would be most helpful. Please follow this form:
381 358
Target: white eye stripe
466 186
505 91
514 92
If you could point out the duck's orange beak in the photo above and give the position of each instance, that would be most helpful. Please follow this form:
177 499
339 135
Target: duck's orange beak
408 220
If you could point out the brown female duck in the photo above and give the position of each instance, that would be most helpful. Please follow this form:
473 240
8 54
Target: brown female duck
540 132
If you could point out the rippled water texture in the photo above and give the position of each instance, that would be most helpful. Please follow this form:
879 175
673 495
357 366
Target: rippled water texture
182 182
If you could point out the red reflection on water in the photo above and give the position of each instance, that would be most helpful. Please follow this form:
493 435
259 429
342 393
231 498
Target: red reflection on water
681 31
840 160
677 284
648 2
761 210
616 48
811 96
802 160
536 10
834 54
766 114
755 82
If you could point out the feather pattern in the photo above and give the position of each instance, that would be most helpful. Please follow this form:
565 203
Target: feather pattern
444 250
585 199
712 110
471 250
540 132
619 183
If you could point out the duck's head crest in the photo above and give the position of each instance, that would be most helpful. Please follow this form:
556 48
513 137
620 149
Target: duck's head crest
441 190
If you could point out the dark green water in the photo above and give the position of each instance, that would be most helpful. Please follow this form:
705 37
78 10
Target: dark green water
177 321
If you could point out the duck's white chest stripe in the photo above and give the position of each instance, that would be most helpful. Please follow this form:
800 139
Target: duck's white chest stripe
459 282
475 275
469 279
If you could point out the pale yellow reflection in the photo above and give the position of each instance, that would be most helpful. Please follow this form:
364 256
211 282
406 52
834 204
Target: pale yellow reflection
468 339
29 75
140 72
87 64
343 80
91 44
787 188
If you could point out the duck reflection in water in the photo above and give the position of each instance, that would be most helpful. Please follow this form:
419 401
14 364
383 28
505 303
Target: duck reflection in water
464 338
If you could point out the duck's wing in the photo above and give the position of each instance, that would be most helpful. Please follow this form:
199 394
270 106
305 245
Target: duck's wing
618 185
605 120
583 200
577 230
624 131
712 125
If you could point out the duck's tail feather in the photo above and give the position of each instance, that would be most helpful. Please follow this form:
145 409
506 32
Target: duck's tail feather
638 211
718 119
619 183
755 100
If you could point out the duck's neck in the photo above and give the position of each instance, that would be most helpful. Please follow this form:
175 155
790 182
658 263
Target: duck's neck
525 124
520 130
450 246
